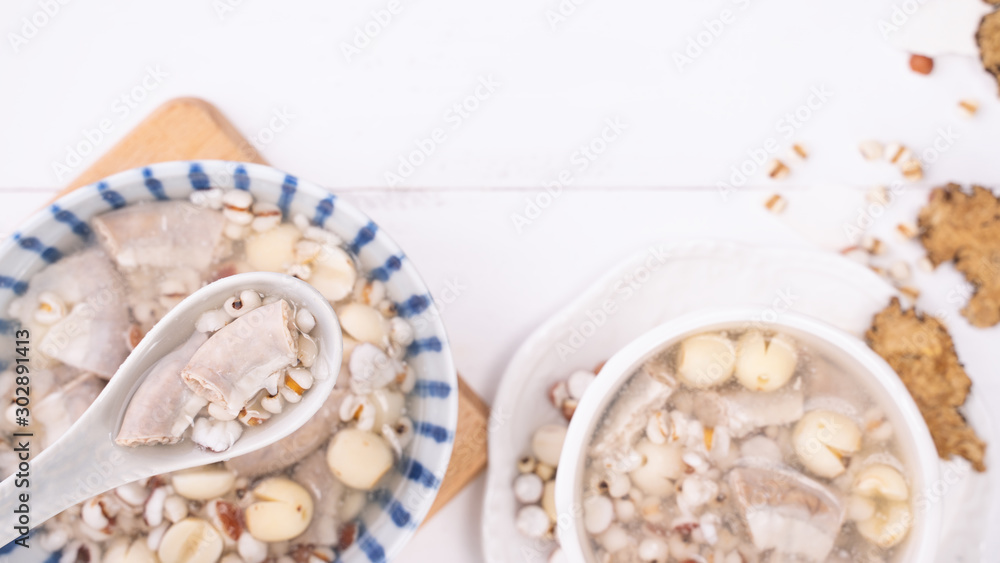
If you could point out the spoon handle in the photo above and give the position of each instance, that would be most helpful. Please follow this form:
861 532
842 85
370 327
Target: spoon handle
83 463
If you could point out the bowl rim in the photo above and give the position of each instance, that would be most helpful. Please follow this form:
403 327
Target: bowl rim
220 171
619 368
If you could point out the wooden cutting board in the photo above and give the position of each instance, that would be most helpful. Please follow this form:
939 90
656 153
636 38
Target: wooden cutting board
192 129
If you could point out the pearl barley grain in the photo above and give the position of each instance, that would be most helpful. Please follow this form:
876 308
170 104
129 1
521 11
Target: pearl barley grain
211 321
871 150
873 245
799 152
878 194
906 230
618 484
251 549
236 207
558 393
578 382
968 107
777 170
526 464
528 488
532 521
776 204
305 321
625 510
899 271
250 299
545 471
598 513
237 199
912 170
266 217
653 549
896 153
175 508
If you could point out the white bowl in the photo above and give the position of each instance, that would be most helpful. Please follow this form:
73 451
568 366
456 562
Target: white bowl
406 495
916 446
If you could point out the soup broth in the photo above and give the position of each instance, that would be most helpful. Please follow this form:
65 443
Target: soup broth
743 446
296 500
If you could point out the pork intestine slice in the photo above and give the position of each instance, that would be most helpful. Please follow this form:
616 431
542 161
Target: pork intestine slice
162 407
162 234
787 511
93 335
59 410
233 366
649 389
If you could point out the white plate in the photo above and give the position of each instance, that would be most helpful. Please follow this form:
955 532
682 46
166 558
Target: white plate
666 280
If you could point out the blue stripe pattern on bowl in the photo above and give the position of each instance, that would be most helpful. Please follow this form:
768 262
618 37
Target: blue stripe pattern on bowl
406 495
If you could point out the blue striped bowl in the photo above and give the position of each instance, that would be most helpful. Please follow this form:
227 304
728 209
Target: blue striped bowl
406 495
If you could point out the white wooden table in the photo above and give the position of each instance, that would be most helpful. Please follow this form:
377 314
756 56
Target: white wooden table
594 107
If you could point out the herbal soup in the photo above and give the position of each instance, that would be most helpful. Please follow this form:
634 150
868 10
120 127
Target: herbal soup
742 447
294 500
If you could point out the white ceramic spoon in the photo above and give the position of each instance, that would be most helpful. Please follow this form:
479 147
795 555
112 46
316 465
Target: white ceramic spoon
85 461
